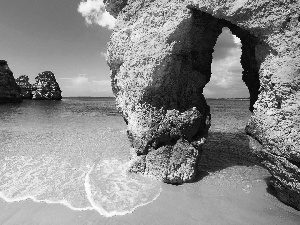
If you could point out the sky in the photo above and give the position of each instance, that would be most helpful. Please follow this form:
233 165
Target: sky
69 38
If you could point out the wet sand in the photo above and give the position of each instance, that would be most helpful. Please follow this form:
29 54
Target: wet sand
230 189
205 204
201 203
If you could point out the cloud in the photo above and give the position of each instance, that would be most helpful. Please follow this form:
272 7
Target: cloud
80 81
85 86
236 40
94 12
227 71
103 54
226 45
226 79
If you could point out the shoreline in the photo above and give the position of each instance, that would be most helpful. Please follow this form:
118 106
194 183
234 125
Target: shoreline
209 201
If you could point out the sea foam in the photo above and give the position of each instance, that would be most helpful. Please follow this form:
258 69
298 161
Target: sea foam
120 192
104 186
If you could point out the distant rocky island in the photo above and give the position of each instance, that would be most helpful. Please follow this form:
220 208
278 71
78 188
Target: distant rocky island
26 87
46 87
14 90
10 92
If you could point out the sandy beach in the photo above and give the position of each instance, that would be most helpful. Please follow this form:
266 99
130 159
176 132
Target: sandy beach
231 191
197 203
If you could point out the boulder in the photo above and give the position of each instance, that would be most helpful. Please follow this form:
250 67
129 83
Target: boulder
160 56
46 87
26 87
9 90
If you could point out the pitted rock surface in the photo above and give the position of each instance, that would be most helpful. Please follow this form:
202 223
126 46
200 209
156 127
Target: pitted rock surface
26 87
9 90
160 57
46 87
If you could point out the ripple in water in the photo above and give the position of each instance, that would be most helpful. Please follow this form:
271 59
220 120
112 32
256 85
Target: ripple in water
105 186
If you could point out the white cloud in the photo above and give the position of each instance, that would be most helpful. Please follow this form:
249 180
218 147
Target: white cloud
94 12
227 71
226 79
80 81
103 54
225 44
85 86
236 40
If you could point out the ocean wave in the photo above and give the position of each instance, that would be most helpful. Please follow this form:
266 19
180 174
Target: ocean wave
105 186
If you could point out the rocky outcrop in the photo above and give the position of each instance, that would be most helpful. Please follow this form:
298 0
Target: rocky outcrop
114 7
26 87
160 57
46 87
9 90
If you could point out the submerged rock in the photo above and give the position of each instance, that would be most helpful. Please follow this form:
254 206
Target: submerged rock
46 87
9 90
160 57
26 87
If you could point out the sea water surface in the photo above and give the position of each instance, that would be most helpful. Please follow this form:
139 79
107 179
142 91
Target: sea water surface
75 152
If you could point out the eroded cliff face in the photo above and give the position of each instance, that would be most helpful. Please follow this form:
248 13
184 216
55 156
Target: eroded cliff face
160 57
46 87
26 87
9 90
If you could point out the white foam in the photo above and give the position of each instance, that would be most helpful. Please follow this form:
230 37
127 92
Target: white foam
43 180
89 194
29 162
33 198
22 180
110 166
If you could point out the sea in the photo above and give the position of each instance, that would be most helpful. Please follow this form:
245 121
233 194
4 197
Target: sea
75 152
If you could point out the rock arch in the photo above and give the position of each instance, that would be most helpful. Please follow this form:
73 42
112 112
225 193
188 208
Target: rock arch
160 56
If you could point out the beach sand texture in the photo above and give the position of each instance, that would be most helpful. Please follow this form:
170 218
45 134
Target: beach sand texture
231 188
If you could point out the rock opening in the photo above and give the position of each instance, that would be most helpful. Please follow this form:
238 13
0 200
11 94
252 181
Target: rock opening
226 80
248 58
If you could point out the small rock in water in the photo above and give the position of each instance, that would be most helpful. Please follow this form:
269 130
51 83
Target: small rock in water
46 87
26 87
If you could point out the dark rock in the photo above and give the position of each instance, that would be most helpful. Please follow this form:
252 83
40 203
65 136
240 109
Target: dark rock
26 87
114 6
285 174
46 87
9 90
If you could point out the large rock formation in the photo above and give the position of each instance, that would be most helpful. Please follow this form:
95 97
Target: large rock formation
26 87
160 57
9 90
46 87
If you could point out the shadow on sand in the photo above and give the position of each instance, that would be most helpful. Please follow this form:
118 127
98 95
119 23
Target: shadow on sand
223 150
